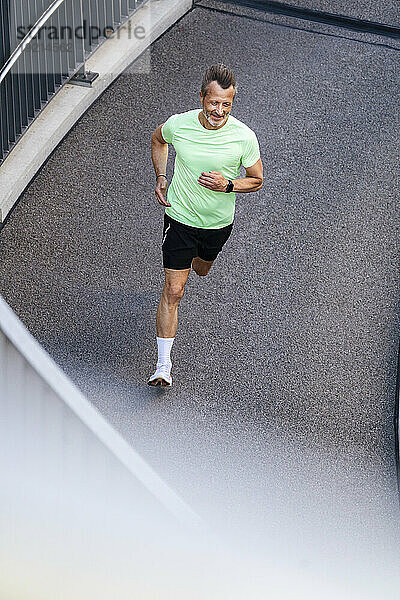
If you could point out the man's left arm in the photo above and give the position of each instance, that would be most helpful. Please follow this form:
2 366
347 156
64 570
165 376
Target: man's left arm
214 180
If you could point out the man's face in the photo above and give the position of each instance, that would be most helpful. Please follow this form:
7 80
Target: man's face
217 104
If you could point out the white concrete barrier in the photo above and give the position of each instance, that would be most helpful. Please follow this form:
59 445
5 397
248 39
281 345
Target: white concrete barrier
79 507
45 418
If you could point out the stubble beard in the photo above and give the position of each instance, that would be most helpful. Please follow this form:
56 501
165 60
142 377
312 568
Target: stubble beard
207 115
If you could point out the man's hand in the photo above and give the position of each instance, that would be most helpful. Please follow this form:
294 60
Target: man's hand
161 190
214 180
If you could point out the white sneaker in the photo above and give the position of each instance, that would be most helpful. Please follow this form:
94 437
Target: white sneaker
162 376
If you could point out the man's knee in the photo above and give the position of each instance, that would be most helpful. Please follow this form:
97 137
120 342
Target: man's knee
174 292
201 267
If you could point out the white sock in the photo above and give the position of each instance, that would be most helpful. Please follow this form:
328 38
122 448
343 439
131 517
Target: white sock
164 350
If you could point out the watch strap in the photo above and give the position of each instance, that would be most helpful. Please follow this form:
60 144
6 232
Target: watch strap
229 187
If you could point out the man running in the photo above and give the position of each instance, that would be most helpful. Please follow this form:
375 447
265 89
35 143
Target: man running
210 146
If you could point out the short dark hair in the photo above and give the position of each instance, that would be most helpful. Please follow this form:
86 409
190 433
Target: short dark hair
222 75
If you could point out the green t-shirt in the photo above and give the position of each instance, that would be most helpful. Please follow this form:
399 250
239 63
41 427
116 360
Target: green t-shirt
199 149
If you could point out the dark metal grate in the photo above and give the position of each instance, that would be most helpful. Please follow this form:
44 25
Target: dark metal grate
58 51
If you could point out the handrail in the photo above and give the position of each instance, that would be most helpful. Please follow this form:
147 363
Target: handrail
28 38
33 71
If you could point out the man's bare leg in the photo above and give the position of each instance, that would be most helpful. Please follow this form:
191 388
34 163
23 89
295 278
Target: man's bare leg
201 267
166 323
174 287
167 311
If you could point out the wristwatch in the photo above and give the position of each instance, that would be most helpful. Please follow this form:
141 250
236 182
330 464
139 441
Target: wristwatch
229 187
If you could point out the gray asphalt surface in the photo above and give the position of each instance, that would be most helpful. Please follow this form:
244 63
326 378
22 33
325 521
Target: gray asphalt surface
386 11
279 426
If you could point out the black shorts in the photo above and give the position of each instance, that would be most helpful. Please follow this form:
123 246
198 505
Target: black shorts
182 243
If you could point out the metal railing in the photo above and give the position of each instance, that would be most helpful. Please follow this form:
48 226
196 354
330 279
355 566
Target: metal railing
43 44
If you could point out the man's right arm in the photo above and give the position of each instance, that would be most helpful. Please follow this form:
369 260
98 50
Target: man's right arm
159 156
